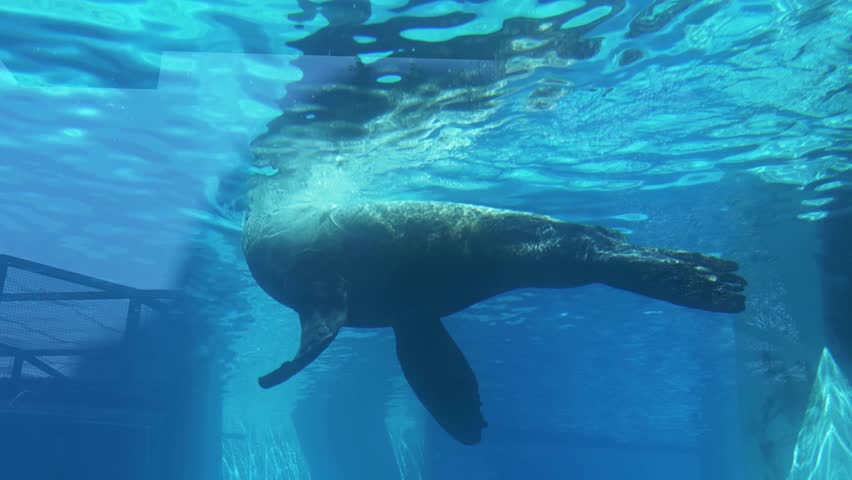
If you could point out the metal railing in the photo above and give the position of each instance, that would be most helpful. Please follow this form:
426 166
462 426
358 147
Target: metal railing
90 289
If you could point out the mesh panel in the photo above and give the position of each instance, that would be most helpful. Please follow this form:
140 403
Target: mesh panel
74 337
62 324
6 367
30 371
146 316
66 365
22 281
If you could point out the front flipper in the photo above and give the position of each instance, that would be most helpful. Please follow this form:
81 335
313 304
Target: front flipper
440 377
319 327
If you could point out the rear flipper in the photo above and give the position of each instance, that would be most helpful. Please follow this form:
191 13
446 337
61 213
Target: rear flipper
440 377
680 277
319 327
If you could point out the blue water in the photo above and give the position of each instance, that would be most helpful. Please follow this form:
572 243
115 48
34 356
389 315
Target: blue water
132 132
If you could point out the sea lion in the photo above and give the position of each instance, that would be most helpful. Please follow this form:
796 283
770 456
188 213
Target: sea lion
406 264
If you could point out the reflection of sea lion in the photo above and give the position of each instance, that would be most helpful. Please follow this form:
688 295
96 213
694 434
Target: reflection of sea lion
407 264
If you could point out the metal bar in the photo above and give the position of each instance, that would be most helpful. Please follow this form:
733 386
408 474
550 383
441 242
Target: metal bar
109 290
134 314
62 274
38 363
52 296
24 355
17 367
58 352
3 269
157 303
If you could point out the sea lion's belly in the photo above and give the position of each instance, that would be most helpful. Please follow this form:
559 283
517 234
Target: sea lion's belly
379 297
416 278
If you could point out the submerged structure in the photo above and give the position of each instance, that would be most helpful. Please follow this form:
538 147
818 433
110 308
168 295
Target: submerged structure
824 449
824 446
95 381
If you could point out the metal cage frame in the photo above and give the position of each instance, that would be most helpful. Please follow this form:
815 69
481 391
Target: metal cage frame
96 290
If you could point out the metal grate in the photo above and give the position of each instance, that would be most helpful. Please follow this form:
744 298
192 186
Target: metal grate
6 367
60 324
22 281
67 365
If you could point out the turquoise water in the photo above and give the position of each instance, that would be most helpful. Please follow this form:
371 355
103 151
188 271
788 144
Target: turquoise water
131 131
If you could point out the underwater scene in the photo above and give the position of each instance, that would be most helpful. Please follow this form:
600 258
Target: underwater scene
425 239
